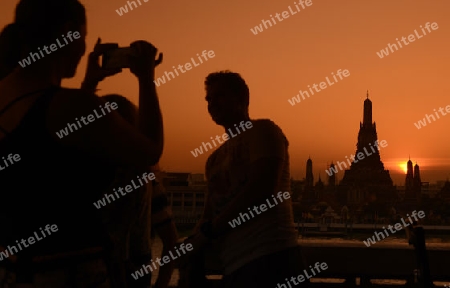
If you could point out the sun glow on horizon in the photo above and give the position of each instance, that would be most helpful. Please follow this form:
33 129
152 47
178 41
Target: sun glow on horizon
403 166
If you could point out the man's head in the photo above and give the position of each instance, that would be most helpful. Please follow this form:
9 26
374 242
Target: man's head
227 95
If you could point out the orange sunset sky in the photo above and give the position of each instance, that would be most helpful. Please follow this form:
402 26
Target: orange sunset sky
278 62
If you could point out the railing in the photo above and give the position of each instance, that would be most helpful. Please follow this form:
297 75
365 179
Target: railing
365 226
354 262
350 262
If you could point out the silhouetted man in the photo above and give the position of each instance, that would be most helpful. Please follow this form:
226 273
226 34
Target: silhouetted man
248 209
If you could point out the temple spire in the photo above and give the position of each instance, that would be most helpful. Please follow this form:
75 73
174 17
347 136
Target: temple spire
309 173
367 114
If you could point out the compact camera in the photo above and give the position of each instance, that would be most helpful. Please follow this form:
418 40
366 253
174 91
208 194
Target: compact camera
120 57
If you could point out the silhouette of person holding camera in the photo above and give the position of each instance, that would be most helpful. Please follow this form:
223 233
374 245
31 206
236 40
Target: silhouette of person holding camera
57 179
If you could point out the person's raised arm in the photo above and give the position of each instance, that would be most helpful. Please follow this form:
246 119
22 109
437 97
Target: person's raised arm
82 120
150 118
94 72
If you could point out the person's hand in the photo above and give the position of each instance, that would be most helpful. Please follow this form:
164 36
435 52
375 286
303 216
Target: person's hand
142 62
94 72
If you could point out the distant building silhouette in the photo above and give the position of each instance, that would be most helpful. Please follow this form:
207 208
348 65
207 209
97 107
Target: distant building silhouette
309 173
332 178
430 190
409 181
318 192
308 191
319 189
445 191
413 184
417 186
297 189
366 182
186 194
332 181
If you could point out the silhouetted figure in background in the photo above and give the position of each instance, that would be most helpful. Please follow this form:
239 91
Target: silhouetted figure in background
245 172
58 178
133 216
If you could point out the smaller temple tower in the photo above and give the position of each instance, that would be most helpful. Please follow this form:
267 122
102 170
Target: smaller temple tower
332 178
417 183
309 173
409 180
308 192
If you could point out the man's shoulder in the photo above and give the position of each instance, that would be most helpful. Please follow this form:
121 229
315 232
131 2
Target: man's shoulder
264 123
266 127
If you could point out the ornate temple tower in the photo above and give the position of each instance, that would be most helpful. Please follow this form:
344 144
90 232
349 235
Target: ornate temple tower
366 181
367 136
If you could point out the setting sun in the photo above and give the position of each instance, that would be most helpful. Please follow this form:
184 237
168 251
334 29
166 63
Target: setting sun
403 166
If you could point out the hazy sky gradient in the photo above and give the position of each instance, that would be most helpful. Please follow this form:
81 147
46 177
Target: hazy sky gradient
277 63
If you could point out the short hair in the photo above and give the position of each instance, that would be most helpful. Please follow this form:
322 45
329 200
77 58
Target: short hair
126 108
233 81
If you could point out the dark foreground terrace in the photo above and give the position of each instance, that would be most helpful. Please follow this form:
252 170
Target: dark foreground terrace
355 265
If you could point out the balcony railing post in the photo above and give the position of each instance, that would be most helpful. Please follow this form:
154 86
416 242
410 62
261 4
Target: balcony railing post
417 239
